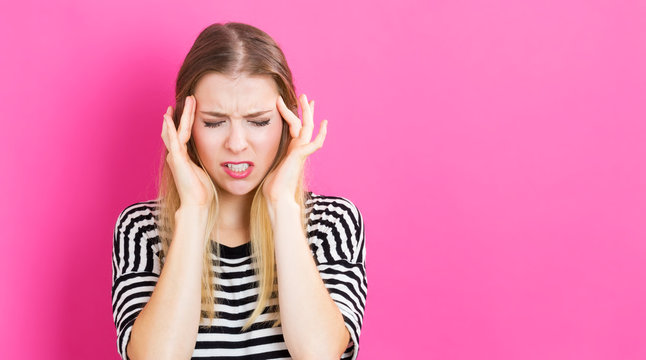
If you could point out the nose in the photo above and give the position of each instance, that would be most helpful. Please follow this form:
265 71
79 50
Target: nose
236 141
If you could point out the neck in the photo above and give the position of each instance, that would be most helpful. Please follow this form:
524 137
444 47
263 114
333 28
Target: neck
234 211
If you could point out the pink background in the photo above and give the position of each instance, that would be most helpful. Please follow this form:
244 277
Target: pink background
496 150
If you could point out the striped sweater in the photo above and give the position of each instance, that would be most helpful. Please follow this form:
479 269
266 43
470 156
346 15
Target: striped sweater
336 238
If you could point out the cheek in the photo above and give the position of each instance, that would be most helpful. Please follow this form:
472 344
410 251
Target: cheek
272 140
205 143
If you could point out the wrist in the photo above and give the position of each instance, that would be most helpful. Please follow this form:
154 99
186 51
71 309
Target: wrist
192 212
282 208
284 204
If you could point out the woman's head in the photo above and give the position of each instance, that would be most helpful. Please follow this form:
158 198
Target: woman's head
237 120
233 70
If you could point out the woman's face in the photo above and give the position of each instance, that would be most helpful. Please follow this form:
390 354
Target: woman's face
236 120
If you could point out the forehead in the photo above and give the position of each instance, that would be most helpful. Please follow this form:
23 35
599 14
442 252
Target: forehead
235 96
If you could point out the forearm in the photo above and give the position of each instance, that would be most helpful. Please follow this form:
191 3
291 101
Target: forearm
312 324
167 326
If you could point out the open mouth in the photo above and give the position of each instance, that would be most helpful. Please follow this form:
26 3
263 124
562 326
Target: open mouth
239 170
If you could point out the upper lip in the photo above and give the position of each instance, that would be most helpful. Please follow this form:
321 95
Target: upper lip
238 162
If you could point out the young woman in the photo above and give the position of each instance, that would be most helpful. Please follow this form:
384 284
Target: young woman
235 259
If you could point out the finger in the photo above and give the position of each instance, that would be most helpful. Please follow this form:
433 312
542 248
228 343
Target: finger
183 124
166 127
190 125
292 120
183 121
318 141
308 121
186 130
288 115
163 133
171 133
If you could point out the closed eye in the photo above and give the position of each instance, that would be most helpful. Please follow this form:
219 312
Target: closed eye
256 123
212 124
261 123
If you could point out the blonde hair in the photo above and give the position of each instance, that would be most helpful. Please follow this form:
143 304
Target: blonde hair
233 49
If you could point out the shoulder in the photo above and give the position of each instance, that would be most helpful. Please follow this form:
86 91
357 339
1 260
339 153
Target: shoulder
138 210
135 218
136 243
337 206
338 221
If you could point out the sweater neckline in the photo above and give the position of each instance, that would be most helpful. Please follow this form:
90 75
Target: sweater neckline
235 252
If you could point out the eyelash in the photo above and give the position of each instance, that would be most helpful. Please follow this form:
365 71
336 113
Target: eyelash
256 123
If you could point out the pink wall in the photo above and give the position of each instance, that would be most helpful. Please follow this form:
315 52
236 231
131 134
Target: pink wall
495 148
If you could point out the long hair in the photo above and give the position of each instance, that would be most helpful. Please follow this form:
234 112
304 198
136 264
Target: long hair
232 49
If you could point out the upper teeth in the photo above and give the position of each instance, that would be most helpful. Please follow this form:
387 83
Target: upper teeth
238 167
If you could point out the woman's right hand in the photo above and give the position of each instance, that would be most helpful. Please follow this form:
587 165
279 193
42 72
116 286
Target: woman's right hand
193 184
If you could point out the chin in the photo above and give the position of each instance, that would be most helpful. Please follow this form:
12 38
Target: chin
239 188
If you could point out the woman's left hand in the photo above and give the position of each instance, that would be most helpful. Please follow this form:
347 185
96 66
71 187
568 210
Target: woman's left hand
281 183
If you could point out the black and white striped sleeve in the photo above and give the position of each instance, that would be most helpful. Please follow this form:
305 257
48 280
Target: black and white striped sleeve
337 239
135 267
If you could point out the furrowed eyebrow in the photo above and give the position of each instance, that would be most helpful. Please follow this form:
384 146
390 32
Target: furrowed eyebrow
219 114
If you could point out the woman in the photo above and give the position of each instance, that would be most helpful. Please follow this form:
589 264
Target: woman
235 258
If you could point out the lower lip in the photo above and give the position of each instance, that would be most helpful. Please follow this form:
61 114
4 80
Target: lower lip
238 175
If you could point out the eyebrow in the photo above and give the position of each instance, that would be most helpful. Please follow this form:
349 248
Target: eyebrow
219 114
